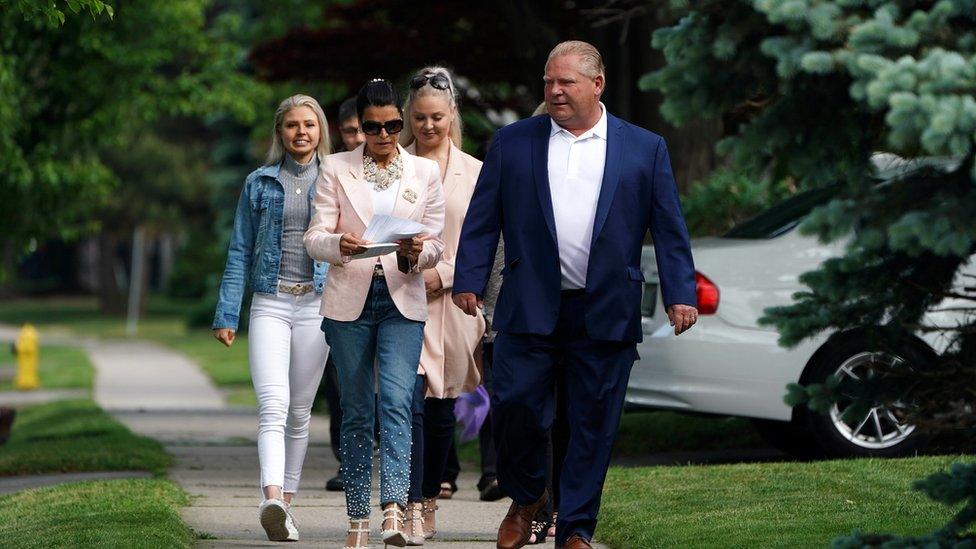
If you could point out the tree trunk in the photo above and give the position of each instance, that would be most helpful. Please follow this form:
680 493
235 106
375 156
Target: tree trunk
143 245
166 243
110 297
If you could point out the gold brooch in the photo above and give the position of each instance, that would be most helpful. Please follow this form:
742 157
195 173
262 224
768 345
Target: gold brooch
410 196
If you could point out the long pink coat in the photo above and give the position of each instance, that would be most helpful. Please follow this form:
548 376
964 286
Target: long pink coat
343 204
451 337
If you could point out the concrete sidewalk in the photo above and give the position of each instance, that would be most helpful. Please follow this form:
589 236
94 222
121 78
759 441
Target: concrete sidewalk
39 396
159 393
217 464
222 480
138 375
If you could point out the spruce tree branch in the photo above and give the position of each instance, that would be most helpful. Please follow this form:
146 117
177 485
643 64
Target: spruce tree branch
607 15
957 295
940 293
970 329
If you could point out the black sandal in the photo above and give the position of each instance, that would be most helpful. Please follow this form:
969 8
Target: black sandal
540 528
447 490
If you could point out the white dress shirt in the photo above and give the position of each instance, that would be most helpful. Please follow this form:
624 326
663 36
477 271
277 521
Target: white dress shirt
575 177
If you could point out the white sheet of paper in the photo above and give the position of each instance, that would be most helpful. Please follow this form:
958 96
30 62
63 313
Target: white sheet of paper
386 228
373 250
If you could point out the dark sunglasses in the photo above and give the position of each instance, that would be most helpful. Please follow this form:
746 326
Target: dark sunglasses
372 127
438 81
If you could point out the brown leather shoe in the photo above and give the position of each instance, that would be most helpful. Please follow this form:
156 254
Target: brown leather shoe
575 542
516 527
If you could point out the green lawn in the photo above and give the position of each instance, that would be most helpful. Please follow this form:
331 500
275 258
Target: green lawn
118 513
80 315
767 504
76 435
58 368
73 435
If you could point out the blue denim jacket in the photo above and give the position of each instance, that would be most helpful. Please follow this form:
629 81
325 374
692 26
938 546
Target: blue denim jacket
254 255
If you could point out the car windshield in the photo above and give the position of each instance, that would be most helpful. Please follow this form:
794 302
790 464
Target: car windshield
782 217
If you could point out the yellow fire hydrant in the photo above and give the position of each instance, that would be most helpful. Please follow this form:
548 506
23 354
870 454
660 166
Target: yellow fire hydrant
25 349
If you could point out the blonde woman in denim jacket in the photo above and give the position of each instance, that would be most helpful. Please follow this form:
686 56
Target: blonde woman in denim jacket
286 350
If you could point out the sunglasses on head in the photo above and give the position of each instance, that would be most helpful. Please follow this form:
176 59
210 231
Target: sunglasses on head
372 127
437 81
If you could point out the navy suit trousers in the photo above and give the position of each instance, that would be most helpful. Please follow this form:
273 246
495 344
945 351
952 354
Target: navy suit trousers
523 405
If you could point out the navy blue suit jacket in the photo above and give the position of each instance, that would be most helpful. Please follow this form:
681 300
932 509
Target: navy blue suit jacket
512 196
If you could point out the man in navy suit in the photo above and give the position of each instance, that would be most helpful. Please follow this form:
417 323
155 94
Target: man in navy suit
574 191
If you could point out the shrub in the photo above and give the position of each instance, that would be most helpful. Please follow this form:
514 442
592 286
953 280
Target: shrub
728 197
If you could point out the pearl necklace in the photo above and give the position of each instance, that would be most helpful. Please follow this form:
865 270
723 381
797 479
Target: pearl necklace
382 178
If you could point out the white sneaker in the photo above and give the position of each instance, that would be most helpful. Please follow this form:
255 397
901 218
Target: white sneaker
277 521
290 525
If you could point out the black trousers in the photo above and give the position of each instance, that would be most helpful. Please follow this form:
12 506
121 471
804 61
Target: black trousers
525 373
453 466
558 438
331 382
432 438
486 443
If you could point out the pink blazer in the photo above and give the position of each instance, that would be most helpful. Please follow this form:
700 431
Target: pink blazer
343 204
452 338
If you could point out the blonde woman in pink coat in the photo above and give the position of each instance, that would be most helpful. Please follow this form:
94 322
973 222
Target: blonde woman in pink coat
451 338
375 308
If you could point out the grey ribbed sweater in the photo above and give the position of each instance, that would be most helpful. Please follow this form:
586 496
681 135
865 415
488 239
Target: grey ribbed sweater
297 180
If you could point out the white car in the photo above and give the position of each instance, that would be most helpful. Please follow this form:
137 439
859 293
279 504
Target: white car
728 364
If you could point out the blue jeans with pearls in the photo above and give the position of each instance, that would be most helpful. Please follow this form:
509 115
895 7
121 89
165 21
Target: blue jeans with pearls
380 336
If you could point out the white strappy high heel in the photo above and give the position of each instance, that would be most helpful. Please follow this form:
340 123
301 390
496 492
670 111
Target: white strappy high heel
394 536
429 506
361 528
414 527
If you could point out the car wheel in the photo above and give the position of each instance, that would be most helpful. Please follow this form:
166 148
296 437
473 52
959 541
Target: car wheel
884 431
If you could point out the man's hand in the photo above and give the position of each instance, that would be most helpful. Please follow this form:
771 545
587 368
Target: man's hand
432 281
682 317
469 303
351 244
225 336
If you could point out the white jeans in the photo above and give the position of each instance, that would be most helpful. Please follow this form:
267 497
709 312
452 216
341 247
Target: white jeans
287 353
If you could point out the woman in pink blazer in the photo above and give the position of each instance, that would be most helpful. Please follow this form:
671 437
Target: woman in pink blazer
451 338
375 308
